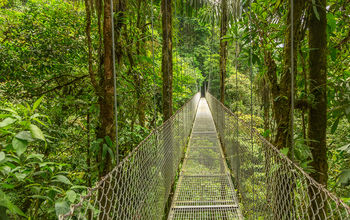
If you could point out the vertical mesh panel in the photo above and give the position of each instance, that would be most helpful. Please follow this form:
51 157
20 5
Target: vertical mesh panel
139 187
270 186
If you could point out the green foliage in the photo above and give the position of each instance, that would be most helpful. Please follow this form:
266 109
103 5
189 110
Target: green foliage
50 148
25 167
238 93
41 41
6 203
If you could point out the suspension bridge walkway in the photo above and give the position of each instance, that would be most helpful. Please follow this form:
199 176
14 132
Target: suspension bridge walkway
205 187
229 171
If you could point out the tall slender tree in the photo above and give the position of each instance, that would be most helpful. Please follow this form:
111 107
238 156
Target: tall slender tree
317 124
318 88
167 58
223 48
106 82
103 82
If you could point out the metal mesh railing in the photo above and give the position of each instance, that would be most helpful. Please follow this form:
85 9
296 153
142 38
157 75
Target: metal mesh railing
139 187
270 186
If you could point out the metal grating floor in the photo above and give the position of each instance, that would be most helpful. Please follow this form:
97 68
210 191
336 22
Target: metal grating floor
204 189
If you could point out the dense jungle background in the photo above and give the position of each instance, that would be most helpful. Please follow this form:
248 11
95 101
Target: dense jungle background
57 130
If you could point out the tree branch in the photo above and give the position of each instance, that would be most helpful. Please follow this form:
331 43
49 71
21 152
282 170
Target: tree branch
61 86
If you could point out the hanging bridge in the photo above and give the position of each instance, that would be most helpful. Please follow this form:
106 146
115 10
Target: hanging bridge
206 163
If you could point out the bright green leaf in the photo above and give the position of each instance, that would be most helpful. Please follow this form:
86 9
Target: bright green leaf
71 195
345 148
19 145
266 133
315 10
7 122
37 103
36 156
20 176
7 186
9 110
333 53
36 132
344 178
25 135
78 187
61 207
40 122
61 179
331 21
335 125
5 202
2 156
110 151
285 151
109 141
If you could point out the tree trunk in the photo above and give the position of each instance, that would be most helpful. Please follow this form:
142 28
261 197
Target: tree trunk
281 94
223 49
106 104
106 101
282 102
93 82
167 170
317 124
167 59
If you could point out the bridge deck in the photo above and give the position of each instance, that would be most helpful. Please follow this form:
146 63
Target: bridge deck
204 189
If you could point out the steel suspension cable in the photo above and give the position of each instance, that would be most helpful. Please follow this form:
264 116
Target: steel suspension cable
167 38
292 80
236 73
115 88
236 107
176 52
211 47
251 90
177 56
154 72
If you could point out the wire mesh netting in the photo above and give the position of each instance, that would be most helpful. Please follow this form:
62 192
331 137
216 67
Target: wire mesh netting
270 186
139 187
205 189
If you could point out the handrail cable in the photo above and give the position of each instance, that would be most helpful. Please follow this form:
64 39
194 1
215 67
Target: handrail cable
154 72
251 90
292 80
115 87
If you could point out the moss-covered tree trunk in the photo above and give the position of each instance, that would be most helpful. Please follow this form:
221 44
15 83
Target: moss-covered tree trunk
167 71
104 88
223 49
281 94
167 58
281 91
140 22
317 123
106 101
